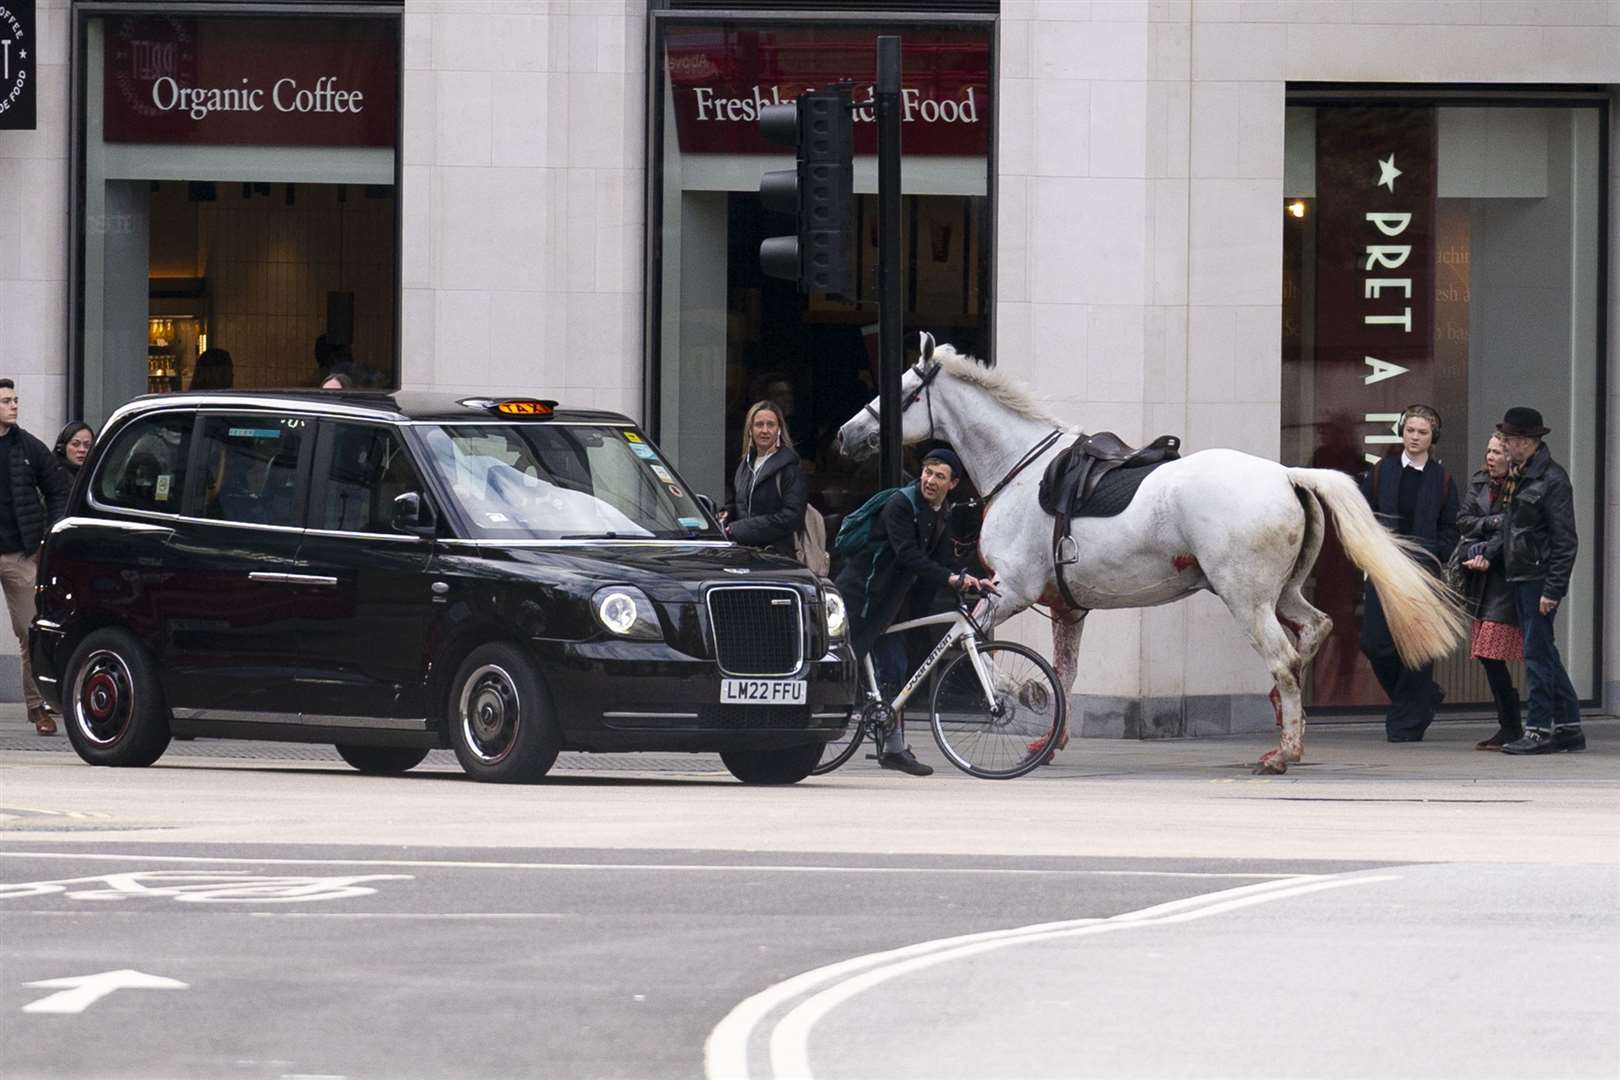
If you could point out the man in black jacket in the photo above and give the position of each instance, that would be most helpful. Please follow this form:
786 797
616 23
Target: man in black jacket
1538 553
902 569
33 494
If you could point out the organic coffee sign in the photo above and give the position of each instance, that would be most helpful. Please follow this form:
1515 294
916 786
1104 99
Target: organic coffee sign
721 77
262 82
18 64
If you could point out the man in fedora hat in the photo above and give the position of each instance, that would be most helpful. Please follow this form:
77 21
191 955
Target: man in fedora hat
1538 553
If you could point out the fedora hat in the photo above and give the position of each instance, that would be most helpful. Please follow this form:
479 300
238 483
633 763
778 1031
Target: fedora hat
1522 420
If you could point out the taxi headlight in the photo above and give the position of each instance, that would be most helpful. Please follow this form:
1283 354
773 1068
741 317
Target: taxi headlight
837 622
626 611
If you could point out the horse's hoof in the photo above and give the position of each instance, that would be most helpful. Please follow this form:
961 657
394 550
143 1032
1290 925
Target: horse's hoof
1271 763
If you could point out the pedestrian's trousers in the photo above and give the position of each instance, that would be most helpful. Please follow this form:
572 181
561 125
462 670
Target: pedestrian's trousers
18 574
1552 700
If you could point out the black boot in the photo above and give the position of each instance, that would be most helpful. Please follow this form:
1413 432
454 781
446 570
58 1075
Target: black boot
1510 726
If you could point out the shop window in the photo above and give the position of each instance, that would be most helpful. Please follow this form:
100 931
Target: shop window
723 335
237 224
1448 254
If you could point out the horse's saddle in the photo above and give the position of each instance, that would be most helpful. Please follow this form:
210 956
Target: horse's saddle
1072 478
1073 486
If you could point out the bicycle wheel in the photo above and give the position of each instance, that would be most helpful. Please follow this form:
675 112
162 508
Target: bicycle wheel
842 748
1006 736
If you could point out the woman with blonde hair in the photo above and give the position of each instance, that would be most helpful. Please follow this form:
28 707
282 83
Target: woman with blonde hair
1497 639
769 491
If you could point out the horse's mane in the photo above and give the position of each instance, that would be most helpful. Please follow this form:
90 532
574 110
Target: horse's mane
995 382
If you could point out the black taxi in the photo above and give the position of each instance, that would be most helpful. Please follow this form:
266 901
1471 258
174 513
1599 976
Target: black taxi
392 573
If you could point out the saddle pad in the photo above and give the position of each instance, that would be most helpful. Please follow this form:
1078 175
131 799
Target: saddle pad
1115 491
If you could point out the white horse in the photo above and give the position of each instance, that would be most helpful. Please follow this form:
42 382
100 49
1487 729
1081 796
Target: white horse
1245 528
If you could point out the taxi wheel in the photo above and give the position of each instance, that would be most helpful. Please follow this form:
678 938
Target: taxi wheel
785 766
113 703
500 720
381 760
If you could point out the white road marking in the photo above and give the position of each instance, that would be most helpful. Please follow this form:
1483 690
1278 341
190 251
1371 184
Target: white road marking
794 868
201 887
82 991
726 1049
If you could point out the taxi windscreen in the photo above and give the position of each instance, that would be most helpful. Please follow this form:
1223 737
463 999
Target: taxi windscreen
563 481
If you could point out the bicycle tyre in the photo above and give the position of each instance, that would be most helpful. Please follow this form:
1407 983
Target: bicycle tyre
840 750
1004 744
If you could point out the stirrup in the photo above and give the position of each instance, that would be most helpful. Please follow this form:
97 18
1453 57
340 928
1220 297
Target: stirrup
1071 556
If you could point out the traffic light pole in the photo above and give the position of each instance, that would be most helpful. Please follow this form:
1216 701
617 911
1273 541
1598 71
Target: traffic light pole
891 349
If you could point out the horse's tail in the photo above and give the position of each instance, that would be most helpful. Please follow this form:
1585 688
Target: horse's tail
1425 617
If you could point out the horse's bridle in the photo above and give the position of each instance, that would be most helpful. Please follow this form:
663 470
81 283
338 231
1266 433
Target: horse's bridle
923 391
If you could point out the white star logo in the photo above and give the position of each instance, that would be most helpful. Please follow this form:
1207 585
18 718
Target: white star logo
1387 172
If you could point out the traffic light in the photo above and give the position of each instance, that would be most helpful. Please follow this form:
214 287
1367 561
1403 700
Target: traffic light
820 192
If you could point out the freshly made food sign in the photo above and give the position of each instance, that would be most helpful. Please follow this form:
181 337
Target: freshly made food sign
304 82
721 78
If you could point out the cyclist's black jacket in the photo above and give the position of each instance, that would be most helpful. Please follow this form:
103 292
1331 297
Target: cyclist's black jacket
904 562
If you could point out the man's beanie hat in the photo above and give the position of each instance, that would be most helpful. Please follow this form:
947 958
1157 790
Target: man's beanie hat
1522 420
945 457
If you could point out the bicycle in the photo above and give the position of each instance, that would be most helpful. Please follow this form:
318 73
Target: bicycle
995 709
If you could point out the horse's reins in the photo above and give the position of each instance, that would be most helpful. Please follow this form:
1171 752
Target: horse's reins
1029 456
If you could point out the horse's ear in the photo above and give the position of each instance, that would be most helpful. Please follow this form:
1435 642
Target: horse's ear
925 346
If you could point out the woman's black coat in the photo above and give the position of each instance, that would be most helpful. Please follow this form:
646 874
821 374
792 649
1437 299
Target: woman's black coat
1490 596
767 509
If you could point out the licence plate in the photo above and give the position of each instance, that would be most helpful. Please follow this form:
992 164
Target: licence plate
762 691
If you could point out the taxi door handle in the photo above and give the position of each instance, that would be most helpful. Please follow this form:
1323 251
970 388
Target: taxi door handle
321 580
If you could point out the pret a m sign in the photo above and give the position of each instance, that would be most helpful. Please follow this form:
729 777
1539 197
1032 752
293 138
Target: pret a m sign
18 65
1375 229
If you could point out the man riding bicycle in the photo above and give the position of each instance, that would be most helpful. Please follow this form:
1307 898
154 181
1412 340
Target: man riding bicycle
901 569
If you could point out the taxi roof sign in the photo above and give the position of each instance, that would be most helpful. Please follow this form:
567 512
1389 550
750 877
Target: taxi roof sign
525 407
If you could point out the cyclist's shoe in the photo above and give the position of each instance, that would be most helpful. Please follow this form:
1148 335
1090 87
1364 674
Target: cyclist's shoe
905 761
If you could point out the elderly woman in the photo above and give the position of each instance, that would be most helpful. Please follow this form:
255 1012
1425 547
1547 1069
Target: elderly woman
73 446
1497 638
769 489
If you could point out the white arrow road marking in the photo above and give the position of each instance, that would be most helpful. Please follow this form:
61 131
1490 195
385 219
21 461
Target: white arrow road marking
726 1051
83 991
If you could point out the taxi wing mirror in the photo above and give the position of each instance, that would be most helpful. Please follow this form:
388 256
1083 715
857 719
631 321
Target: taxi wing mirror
413 515
708 503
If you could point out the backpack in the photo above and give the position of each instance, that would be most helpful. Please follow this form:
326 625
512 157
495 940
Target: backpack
810 542
855 531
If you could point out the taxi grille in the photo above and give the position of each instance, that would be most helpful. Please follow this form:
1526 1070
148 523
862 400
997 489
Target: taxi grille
758 630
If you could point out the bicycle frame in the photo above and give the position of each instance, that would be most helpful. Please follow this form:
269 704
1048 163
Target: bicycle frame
963 628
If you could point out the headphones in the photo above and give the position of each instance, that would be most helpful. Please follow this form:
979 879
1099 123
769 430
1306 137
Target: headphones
1422 412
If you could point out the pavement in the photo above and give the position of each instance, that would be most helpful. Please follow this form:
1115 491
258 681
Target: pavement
1354 796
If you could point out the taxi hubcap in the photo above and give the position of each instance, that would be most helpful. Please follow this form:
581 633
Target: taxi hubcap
489 713
103 699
